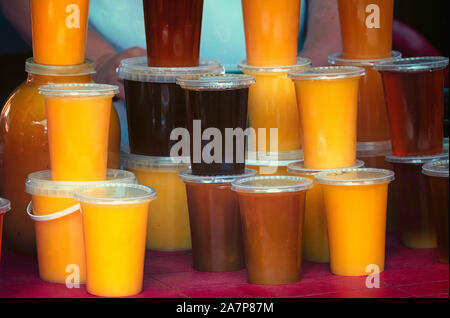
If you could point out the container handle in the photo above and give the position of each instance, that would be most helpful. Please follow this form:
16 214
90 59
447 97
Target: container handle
54 216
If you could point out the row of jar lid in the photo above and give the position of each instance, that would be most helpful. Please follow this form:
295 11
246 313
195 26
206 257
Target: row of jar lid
364 150
139 162
40 183
136 69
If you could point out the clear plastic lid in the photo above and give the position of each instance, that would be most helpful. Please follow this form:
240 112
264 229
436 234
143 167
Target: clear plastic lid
86 68
302 63
137 69
76 90
355 177
327 73
254 158
41 183
298 167
336 59
139 162
373 149
415 160
413 64
207 82
115 194
437 168
272 184
5 206
268 163
188 176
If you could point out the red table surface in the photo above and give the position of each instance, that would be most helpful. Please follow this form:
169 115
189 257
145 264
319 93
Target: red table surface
409 273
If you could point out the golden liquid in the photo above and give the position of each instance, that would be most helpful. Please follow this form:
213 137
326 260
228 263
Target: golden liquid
356 217
24 150
168 221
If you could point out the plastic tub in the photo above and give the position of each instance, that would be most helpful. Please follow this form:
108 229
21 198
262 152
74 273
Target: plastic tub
271 31
58 223
173 31
328 103
215 221
217 106
78 117
366 28
414 90
413 200
272 213
115 228
355 204
59 31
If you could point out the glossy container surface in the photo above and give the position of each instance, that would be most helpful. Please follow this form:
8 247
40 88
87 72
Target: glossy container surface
413 201
78 119
414 90
328 101
115 228
24 144
173 30
215 221
58 223
272 213
271 31
59 30
355 204
156 105
216 106
437 173
366 28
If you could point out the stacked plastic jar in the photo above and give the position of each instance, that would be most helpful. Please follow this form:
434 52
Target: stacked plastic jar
156 108
59 120
58 51
414 90
328 103
366 28
342 110
217 108
271 36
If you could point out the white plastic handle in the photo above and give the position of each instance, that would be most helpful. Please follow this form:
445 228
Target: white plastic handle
54 216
